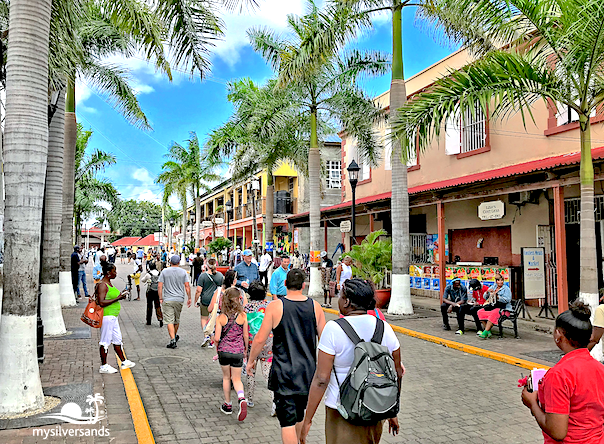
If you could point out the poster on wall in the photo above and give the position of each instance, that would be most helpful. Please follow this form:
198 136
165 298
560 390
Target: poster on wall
533 272
433 247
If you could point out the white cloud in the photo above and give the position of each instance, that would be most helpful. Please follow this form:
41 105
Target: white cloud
270 13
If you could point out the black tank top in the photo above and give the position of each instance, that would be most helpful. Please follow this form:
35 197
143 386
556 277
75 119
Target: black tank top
294 349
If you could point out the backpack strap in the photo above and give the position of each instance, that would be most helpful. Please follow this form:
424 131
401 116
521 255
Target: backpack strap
378 335
352 335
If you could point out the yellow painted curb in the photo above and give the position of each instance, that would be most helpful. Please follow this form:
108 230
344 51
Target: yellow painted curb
462 347
137 409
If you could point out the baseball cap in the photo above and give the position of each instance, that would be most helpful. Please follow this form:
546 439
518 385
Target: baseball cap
175 260
247 252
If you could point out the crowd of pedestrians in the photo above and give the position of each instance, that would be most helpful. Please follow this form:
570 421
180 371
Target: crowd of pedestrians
305 360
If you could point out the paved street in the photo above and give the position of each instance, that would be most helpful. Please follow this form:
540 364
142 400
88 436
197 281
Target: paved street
448 396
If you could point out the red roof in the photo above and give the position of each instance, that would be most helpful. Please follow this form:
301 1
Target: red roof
512 170
96 230
125 241
147 241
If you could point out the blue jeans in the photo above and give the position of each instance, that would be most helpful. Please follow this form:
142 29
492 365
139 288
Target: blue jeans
82 277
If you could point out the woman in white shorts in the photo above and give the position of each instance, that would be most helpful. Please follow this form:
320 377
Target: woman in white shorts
109 298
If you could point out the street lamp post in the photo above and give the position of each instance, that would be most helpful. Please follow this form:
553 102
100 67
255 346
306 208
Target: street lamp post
170 237
353 177
228 206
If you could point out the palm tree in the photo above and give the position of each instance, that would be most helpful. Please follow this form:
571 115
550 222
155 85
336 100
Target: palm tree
50 303
325 81
400 301
263 132
555 54
188 170
25 149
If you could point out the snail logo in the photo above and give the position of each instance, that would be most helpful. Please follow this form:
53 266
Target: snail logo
72 412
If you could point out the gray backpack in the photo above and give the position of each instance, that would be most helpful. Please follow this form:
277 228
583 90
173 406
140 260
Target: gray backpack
370 391
153 283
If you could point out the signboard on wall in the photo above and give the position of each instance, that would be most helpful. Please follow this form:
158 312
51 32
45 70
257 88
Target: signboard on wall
206 224
533 272
345 226
491 210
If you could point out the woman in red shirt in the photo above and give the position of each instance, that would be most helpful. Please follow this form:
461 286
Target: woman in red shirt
569 403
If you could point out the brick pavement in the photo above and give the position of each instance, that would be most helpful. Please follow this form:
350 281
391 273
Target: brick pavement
76 361
448 396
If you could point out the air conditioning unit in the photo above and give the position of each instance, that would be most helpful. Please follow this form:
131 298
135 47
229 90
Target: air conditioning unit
524 197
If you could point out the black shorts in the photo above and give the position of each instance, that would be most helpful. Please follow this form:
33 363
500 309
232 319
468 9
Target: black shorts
232 359
290 409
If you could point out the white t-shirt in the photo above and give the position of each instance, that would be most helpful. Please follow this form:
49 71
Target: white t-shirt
137 263
265 261
336 343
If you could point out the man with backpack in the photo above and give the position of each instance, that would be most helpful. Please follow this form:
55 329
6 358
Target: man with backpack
152 281
296 322
207 283
359 365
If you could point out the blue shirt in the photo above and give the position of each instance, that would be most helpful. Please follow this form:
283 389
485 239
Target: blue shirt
504 296
456 294
277 285
249 272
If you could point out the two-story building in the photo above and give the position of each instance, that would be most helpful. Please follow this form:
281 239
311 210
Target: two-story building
491 190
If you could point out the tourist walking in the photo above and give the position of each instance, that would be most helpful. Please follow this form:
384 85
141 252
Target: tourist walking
336 356
343 272
247 271
207 284
232 339
136 275
197 266
569 405
266 260
326 269
255 309
109 297
296 260
172 287
152 281
278 277
296 322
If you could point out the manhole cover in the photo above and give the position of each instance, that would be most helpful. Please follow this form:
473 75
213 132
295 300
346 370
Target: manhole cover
164 360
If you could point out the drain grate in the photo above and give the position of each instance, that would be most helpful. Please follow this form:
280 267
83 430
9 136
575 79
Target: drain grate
72 333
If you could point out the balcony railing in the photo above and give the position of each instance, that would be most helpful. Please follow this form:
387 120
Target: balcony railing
238 213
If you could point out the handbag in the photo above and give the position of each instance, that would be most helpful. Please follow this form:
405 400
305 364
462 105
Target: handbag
209 330
93 314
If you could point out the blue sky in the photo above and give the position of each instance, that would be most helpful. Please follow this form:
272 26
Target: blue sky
174 109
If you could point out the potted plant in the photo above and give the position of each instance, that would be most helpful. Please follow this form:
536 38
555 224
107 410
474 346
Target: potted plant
371 260
216 247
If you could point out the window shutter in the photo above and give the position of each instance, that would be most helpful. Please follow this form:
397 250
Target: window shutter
452 136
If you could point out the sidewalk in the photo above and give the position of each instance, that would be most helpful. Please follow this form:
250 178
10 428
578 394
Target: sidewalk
75 363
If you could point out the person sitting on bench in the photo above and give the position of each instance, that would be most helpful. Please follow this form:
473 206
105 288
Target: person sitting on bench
455 299
476 301
499 302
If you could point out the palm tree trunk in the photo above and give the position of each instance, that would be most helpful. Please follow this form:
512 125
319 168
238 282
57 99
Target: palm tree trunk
400 301
314 177
26 150
589 268
50 304
197 218
71 135
270 199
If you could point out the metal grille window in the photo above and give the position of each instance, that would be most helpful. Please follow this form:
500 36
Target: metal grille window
572 209
334 174
473 134
419 250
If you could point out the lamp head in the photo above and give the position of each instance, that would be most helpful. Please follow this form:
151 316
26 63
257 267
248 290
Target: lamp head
353 173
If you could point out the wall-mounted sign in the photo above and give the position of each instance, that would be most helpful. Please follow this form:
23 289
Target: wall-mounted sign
270 246
219 220
345 226
533 270
491 210
206 223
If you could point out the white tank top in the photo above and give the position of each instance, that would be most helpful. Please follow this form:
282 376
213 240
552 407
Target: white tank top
346 273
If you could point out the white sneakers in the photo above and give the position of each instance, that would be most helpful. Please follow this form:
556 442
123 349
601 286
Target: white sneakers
107 369
127 364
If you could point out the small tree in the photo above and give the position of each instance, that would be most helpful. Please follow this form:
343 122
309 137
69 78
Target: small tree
372 258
